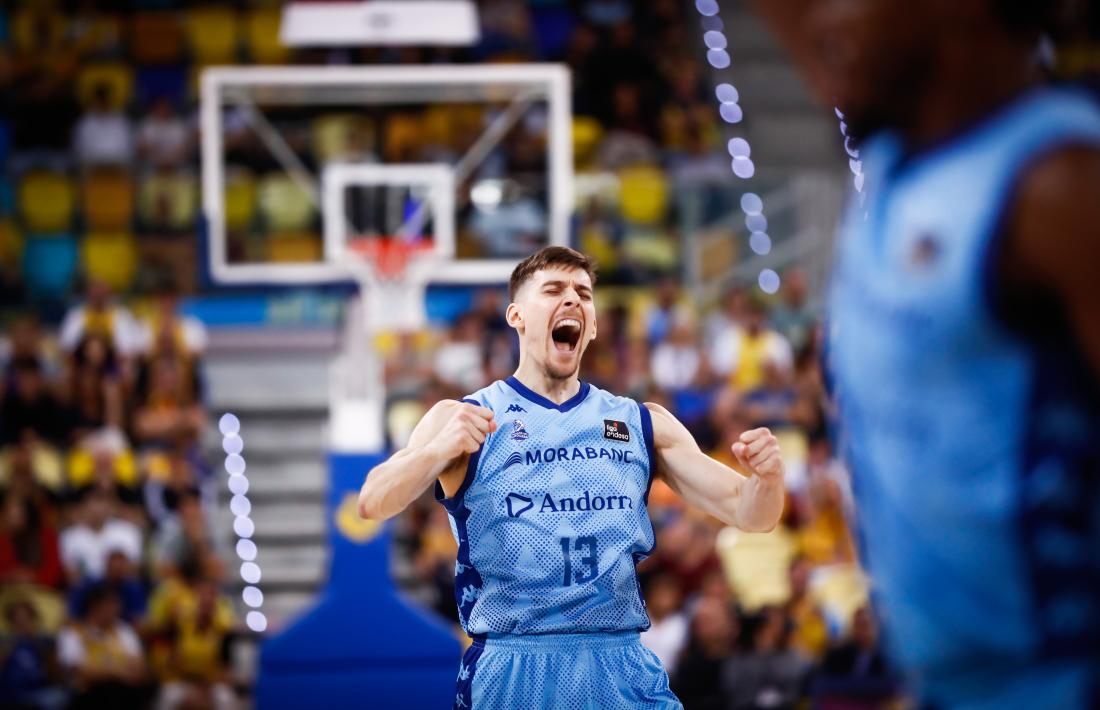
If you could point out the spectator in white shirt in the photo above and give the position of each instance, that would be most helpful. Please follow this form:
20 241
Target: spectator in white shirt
677 363
86 545
104 135
743 353
102 655
98 314
459 362
168 330
163 138
729 319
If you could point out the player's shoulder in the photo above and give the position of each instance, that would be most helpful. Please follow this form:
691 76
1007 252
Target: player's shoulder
492 396
609 400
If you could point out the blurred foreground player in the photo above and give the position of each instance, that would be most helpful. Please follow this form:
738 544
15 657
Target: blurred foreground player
965 341
546 480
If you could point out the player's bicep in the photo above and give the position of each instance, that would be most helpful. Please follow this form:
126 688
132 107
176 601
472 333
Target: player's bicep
1057 199
700 480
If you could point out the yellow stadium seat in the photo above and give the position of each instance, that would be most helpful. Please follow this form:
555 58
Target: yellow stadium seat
34 29
587 133
652 248
48 603
46 462
644 194
840 590
263 36
756 565
240 199
294 247
339 136
168 201
437 125
212 35
82 464
598 244
284 205
110 257
401 137
46 201
108 200
156 38
117 77
11 243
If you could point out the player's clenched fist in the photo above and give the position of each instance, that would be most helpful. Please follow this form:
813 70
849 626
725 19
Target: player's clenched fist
464 430
758 452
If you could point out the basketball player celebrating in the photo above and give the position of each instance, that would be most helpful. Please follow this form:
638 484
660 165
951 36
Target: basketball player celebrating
964 341
546 480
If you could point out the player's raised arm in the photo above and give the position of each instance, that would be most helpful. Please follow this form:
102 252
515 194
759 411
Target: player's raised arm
753 503
440 444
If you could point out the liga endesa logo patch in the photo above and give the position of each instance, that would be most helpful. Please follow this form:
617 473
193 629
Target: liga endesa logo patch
615 430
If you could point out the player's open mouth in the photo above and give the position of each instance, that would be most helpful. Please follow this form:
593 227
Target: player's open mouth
566 334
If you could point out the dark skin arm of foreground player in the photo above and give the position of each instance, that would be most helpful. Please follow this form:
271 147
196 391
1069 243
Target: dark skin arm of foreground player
1048 267
1051 252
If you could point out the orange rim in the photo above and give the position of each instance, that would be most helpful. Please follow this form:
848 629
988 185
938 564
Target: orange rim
388 254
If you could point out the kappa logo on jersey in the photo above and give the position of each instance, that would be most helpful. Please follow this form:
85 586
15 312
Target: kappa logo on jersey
518 432
514 408
616 430
517 504
512 460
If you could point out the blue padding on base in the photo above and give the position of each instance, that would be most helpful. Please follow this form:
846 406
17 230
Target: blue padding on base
361 645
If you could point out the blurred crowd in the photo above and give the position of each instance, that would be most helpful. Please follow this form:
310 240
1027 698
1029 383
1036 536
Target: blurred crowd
742 622
110 577
100 131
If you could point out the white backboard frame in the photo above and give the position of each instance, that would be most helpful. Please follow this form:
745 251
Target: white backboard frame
550 81
381 22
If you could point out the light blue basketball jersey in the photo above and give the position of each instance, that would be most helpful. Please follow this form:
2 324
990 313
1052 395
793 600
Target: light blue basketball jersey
552 518
975 452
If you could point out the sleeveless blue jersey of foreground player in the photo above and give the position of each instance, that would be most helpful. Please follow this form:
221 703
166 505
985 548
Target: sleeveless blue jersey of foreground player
975 452
551 518
551 521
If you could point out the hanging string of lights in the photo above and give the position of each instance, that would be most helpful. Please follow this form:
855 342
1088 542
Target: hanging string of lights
729 109
243 527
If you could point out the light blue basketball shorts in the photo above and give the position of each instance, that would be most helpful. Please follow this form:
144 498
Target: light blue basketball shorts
602 671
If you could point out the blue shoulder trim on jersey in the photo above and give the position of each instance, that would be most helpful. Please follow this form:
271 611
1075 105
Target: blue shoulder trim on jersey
471 472
647 437
538 399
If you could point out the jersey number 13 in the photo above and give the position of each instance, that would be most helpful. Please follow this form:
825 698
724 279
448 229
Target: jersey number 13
586 558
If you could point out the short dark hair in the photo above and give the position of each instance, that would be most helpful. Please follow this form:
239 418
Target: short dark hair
545 257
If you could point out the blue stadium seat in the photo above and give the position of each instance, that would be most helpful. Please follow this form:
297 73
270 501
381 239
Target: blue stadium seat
692 405
49 264
157 82
553 26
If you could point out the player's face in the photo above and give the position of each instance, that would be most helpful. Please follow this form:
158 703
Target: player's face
555 317
873 57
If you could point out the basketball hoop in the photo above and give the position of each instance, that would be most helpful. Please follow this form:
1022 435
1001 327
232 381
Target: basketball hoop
392 275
